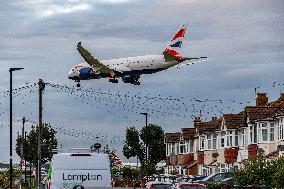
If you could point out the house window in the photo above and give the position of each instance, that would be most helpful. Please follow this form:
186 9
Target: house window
209 142
242 137
281 129
236 138
253 133
173 148
202 142
264 131
181 147
229 138
214 141
190 144
271 133
222 139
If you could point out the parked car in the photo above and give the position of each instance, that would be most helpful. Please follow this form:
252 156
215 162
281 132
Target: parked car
188 185
216 177
196 178
159 185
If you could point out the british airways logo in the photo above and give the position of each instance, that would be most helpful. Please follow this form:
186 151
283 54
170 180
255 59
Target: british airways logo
177 44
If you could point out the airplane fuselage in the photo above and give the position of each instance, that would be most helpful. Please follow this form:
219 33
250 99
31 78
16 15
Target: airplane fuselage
123 67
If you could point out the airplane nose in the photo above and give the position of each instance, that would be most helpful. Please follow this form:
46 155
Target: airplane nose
70 74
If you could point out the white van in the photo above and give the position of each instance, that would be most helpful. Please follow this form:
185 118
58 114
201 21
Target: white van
79 170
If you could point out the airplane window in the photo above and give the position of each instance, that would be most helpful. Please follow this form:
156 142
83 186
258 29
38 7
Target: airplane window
137 61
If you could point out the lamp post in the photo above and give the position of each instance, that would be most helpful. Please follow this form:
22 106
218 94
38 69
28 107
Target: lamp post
11 149
146 140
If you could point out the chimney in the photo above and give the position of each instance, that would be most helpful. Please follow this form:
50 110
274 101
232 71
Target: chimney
282 96
261 99
196 121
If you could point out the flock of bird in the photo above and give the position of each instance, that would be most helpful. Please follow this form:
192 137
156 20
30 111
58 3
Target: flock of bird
126 105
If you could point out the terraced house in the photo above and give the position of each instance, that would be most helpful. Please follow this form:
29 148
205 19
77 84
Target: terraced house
224 143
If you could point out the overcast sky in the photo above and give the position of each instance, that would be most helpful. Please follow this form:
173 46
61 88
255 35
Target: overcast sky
243 40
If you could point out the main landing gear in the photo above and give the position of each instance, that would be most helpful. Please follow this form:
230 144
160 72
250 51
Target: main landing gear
134 79
78 83
113 80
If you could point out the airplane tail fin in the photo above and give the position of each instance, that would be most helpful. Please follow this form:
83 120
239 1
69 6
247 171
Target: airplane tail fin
172 50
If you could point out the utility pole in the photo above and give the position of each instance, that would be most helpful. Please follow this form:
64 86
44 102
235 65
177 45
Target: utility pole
22 146
41 86
25 157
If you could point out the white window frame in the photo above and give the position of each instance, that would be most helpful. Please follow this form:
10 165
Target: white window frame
243 142
191 146
223 136
281 129
269 129
201 142
208 142
214 141
182 149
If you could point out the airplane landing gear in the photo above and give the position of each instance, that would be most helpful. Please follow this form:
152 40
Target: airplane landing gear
113 80
78 83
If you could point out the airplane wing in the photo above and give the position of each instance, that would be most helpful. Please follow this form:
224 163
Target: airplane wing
94 63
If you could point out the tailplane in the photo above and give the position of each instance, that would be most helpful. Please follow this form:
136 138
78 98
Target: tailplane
172 50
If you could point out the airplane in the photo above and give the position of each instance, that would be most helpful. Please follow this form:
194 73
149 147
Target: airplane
129 69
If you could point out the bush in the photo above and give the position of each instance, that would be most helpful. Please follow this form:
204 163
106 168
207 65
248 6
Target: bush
261 172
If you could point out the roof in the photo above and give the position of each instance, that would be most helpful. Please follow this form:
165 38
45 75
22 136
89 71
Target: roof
187 133
172 137
209 126
254 113
278 102
233 121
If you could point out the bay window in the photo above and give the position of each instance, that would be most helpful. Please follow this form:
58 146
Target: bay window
265 132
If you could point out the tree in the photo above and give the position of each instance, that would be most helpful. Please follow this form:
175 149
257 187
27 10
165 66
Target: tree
260 171
49 142
135 145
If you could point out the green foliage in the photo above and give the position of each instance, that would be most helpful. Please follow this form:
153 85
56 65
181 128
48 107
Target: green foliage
49 142
148 168
154 136
135 145
260 172
174 172
4 177
132 146
218 185
278 176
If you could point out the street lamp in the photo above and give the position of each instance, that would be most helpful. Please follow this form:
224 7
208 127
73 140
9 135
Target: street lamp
11 151
146 140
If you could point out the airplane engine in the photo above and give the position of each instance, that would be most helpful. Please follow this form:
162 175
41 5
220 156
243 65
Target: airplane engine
84 73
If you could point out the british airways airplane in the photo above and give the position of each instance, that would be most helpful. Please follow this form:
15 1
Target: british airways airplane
129 69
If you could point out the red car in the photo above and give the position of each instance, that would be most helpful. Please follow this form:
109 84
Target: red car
188 185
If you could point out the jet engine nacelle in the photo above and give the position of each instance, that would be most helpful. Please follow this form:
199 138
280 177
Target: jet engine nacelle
84 72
